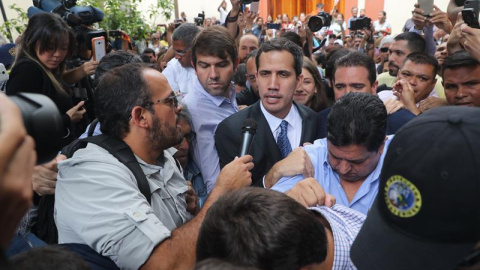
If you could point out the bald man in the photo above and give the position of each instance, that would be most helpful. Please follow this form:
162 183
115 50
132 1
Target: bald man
247 44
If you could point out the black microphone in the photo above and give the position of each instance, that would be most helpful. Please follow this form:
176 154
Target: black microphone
249 129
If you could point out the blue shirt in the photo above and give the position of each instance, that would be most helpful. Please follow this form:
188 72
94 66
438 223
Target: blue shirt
330 181
207 112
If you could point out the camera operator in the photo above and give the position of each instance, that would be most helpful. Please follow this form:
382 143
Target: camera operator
40 67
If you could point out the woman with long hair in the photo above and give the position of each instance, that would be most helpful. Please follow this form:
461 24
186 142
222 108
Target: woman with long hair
311 92
40 65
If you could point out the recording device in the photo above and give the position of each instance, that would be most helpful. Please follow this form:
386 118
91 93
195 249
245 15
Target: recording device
75 16
315 23
470 13
249 129
459 3
43 122
178 22
474 4
199 19
426 6
360 23
67 9
470 17
275 26
246 2
98 48
254 7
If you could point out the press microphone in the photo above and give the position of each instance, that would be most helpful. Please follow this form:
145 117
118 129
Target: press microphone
249 129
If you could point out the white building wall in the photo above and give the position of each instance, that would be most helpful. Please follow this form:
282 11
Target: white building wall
398 11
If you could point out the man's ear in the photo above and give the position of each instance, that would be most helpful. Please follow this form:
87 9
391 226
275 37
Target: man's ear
140 117
374 88
382 147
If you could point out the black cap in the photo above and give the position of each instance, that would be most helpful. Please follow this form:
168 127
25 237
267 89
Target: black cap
427 211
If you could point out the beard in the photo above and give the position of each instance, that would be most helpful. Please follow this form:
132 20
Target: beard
162 137
393 69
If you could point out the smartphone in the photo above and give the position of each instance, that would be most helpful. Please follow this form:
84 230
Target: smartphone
426 6
3 73
254 7
275 26
98 47
474 4
470 18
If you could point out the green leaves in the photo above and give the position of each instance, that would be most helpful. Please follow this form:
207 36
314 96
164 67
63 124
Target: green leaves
17 24
125 15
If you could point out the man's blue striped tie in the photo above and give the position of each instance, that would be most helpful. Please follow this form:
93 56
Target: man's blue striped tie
282 140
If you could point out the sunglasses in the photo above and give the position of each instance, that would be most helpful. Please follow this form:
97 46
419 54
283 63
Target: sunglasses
384 49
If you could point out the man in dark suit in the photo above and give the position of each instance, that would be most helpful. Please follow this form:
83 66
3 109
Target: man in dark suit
282 124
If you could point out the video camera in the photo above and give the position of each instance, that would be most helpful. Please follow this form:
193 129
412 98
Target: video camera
360 23
43 122
75 16
67 9
199 19
315 23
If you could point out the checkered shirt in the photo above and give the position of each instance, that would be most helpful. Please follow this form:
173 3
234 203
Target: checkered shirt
346 224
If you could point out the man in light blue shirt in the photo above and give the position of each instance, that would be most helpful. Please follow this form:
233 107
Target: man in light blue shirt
212 98
348 162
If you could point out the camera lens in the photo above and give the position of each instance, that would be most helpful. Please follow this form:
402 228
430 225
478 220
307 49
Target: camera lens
315 23
43 122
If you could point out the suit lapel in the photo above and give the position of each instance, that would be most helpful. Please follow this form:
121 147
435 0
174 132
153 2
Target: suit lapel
264 139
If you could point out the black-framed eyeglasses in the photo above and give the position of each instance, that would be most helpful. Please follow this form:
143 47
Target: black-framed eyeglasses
171 101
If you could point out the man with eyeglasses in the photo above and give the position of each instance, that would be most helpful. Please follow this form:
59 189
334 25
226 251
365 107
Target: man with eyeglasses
98 203
212 98
179 72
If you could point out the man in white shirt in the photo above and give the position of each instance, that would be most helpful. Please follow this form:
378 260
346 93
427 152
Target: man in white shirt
179 72
416 81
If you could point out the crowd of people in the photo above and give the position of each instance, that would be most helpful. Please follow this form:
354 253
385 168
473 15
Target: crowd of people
362 147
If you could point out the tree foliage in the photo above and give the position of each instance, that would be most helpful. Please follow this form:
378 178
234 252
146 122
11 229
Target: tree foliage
119 15
16 25
124 15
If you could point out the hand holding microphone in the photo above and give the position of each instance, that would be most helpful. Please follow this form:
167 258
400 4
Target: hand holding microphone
249 129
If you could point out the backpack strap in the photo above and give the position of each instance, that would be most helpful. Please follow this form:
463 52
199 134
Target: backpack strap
91 129
121 151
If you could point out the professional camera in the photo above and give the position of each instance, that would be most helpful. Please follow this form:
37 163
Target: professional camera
73 15
43 122
246 2
360 23
315 23
199 20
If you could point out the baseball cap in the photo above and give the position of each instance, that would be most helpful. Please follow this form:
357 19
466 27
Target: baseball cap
339 42
427 211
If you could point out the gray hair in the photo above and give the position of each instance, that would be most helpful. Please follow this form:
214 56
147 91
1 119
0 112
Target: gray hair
186 32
